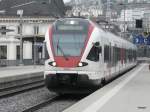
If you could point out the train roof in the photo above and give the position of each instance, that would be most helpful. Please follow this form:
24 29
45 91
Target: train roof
74 18
116 40
120 42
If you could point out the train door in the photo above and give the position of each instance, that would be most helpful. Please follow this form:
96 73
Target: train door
110 62
114 58
100 55
102 65
98 52
107 60
122 57
95 55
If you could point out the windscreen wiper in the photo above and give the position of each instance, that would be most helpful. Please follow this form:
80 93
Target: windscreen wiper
60 49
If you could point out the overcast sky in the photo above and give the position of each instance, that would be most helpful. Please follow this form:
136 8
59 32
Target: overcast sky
66 1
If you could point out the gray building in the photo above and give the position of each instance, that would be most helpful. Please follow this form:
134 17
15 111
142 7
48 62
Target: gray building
28 20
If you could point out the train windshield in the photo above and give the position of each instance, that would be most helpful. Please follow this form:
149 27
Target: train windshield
69 36
68 44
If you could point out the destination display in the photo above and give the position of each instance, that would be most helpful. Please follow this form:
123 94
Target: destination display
70 27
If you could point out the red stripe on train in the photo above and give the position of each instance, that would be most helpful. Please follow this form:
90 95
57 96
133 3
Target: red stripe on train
50 40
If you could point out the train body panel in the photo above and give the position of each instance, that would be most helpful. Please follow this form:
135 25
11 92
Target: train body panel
82 56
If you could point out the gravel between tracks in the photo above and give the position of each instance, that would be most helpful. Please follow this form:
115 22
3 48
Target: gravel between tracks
57 106
22 101
63 103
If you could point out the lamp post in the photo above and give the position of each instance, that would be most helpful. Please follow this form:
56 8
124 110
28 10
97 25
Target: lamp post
124 23
20 13
35 39
34 43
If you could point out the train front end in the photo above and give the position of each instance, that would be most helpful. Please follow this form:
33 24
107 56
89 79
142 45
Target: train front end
67 68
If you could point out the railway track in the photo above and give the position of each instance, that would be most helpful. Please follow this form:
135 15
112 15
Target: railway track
42 104
53 101
19 86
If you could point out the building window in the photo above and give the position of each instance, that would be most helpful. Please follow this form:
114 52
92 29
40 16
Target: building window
3 28
36 30
3 52
40 49
18 52
19 30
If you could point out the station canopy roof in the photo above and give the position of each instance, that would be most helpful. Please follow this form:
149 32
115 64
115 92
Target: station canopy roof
38 38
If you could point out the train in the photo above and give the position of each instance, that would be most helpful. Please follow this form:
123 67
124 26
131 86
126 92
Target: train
83 56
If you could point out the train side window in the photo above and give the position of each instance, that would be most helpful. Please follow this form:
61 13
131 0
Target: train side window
94 53
106 53
116 54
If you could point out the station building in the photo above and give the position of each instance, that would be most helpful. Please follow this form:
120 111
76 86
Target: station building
28 20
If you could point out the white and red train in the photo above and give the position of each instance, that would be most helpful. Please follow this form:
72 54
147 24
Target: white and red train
82 56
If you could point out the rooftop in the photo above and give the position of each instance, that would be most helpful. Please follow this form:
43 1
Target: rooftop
54 8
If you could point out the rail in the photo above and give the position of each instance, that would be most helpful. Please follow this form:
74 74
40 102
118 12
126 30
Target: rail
42 104
15 87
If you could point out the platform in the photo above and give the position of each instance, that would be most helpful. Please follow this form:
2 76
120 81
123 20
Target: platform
129 93
19 72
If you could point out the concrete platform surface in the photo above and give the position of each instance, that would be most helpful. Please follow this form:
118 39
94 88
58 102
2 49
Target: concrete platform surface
129 93
19 72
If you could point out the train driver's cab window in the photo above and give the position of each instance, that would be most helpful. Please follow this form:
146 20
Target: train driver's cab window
94 52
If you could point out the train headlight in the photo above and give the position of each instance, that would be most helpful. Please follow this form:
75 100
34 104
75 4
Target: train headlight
52 63
80 64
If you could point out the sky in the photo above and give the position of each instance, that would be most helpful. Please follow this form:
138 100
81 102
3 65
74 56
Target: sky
65 1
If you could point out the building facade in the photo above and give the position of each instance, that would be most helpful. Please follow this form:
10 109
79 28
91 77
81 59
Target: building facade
30 27
10 39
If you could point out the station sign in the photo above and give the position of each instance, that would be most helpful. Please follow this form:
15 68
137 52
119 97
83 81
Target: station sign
141 40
